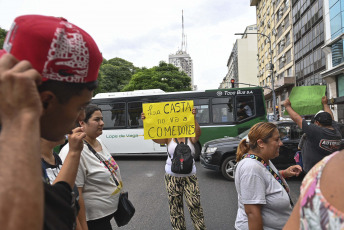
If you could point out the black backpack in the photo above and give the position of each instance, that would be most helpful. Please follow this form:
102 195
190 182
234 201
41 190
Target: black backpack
182 161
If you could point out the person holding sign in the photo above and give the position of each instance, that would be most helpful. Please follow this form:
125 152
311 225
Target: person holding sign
178 185
323 137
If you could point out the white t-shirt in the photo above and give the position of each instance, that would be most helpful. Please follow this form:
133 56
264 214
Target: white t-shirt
100 191
256 185
170 148
248 110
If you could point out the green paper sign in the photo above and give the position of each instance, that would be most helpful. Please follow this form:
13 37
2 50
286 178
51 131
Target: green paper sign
306 100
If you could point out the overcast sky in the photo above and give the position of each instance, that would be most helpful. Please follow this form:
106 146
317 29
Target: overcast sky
145 32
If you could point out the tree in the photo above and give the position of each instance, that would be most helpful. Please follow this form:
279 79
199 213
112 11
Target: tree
115 74
165 76
2 37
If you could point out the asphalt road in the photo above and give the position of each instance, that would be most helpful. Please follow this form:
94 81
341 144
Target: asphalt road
143 177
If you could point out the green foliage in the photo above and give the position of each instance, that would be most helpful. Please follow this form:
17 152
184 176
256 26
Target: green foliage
115 74
165 76
2 37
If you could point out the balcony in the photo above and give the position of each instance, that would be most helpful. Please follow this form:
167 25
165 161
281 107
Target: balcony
284 82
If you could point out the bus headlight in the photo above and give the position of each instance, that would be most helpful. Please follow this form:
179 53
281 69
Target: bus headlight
211 150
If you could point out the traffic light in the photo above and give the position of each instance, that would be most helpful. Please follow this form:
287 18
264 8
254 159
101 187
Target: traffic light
232 81
277 113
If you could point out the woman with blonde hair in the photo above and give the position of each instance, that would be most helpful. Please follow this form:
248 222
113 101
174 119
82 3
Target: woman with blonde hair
263 194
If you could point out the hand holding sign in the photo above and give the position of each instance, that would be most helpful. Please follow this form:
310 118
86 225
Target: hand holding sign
168 119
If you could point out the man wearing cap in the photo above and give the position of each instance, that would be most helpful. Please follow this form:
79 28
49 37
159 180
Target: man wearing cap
323 137
48 71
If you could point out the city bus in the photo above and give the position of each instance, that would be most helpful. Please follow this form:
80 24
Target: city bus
219 114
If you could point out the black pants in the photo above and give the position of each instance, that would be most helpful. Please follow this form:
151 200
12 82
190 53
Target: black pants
100 224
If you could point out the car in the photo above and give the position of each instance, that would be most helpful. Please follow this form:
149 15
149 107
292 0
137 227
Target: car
220 154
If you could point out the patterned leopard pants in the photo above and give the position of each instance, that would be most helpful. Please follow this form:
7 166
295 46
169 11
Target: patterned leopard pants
188 186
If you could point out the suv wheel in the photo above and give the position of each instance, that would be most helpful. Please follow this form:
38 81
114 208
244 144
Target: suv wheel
227 168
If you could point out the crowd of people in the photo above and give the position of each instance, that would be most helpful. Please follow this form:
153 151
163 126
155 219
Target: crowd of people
48 71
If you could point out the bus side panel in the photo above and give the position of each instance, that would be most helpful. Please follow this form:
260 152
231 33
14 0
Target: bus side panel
214 132
129 141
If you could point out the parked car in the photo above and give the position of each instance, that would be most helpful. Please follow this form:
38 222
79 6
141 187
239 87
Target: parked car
220 154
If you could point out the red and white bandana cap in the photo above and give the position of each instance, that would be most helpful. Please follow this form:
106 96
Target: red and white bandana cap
57 49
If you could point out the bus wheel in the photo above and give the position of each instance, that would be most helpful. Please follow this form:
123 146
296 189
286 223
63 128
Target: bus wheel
198 149
227 168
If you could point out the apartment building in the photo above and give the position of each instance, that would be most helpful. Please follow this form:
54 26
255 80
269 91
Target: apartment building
276 72
242 62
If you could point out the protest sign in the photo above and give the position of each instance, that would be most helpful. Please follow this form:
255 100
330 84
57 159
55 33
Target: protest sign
168 120
306 100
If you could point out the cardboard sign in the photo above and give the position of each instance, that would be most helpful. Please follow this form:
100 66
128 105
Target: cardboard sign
168 120
306 100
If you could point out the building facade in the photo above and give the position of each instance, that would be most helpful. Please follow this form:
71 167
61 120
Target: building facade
308 30
183 61
242 62
276 72
333 11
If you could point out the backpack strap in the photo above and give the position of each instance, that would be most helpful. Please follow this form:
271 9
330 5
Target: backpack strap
186 140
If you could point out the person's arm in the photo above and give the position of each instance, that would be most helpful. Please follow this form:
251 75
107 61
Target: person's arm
254 216
326 107
294 219
78 226
21 189
82 212
71 163
293 115
293 170
198 131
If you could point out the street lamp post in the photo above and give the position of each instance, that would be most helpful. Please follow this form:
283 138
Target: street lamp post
272 73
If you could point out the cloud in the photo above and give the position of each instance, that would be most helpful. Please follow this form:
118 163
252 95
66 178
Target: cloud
146 32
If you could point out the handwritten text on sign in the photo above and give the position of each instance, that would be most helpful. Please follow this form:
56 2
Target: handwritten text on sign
168 120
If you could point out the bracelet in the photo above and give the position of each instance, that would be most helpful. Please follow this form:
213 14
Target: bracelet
282 174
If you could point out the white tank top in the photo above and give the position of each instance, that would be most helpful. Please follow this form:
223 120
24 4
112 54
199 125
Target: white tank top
170 148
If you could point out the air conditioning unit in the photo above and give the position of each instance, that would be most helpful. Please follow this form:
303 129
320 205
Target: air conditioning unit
274 32
282 43
268 24
259 16
283 56
273 1
280 12
283 59
283 24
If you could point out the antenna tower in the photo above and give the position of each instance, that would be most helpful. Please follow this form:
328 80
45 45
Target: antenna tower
183 47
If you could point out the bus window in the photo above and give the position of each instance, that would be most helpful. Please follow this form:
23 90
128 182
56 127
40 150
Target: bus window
202 106
115 118
134 114
245 107
222 110
202 115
